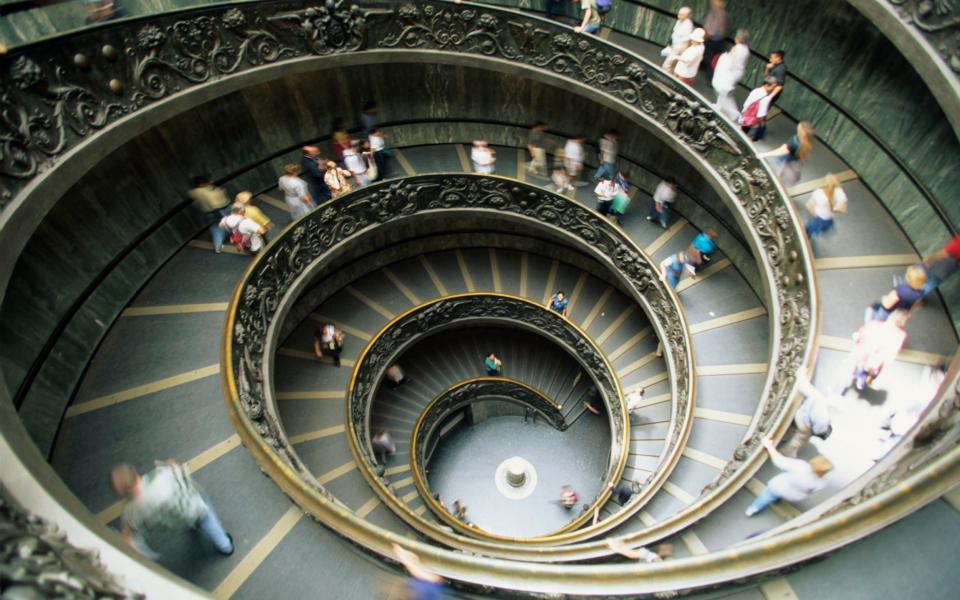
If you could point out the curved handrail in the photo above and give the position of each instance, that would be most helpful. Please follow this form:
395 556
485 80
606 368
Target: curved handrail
452 399
683 119
461 310
297 257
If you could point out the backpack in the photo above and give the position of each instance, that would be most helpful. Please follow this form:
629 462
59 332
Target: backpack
604 6
749 116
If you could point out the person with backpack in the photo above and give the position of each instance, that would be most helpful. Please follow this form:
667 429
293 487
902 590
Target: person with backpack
753 116
591 17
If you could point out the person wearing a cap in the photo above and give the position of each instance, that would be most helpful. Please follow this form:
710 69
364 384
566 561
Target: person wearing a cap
689 61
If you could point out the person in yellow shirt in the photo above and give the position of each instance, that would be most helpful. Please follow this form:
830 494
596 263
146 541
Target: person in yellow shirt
252 212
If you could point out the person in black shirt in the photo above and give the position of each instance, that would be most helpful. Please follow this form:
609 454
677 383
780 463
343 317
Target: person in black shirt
311 172
777 69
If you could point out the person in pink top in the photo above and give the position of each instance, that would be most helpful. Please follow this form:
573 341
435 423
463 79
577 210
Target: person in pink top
877 344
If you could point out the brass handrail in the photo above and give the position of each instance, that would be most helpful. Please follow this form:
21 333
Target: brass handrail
504 306
418 463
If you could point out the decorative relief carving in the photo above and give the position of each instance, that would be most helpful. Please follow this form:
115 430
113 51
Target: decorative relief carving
346 219
37 561
939 20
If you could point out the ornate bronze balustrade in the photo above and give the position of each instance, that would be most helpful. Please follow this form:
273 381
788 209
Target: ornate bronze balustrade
465 310
300 255
457 397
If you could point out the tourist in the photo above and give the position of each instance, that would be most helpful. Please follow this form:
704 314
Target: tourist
688 63
608 155
876 345
378 149
663 198
561 181
311 171
731 66
245 199
214 203
605 192
396 376
424 585
823 204
168 498
701 249
459 510
383 445
905 295
328 340
797 481
904 416
641 553
573 155
591 17
568 497
536 146
753 115
940 265
679 39
245 234
483 157
777 69
336 179
635 399
671 268
790 156
558 303
716 27
811 419
621 200
295 192
355 162
593 402
493 365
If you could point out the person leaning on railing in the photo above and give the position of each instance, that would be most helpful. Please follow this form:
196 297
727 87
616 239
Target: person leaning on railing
797 481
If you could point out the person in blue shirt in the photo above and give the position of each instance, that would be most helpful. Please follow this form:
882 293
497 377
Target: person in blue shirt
700 250
558 303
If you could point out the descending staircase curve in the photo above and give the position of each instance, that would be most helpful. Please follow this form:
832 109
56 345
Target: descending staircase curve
688 541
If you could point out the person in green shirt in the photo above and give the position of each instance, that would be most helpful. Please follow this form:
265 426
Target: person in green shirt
493 365
591 17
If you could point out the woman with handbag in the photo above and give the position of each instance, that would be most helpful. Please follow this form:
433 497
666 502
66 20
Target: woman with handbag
336 179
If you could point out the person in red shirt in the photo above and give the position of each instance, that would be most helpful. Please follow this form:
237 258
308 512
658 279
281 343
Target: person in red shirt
941 264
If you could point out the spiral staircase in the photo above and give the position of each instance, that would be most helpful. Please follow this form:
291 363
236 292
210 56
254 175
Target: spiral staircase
392 264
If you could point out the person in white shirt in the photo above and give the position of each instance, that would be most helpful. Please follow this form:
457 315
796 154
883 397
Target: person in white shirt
688 63
605 192
483 157
797 481
295 192
755 118
730 69
812 419
823 204
355 162
635 399
251 231
679 39
573 156
663 197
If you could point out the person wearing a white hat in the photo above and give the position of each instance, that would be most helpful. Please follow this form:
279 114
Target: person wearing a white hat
689 60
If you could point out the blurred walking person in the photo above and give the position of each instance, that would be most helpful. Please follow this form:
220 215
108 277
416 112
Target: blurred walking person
328 340
336 179
536 146
165 498
811 419
731 66
663 198
311 171
797 480
605 192
483 157
688 63
295 192
790 156
214 203
876 345
823 205
715 27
